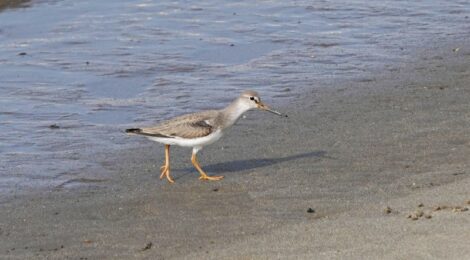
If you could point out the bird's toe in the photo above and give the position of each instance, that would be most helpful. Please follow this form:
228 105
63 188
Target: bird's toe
211 178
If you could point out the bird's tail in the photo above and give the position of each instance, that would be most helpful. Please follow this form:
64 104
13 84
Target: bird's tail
134 131
139 131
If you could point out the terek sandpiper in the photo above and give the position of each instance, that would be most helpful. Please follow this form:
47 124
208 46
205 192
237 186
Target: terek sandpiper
200 129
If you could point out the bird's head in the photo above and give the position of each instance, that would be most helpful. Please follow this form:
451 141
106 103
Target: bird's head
252 100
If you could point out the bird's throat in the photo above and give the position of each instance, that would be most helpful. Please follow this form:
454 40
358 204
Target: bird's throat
233 112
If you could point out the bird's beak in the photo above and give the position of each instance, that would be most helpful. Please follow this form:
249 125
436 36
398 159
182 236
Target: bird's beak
264 107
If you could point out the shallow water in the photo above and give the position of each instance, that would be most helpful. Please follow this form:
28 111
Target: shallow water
73 74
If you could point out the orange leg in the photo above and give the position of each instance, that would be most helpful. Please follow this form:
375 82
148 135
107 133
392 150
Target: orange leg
204 176
166 167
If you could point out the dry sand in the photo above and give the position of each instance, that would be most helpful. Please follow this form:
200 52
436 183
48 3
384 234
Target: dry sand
363 154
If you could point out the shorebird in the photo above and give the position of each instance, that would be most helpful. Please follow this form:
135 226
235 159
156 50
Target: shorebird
197 130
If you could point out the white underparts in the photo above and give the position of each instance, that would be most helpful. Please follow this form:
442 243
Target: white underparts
196 143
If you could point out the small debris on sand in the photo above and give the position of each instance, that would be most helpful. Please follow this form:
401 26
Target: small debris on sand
437 208
54 126
416 215
459 209
22 53
427 216
148 246
419 213
310 210
388 210
421 205
215 189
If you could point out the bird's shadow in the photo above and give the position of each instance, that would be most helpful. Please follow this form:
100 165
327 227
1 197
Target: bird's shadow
249 164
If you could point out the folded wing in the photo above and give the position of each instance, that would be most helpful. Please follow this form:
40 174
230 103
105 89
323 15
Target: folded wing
187 126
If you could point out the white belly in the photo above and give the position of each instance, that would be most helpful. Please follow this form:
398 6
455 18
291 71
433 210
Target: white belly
194 142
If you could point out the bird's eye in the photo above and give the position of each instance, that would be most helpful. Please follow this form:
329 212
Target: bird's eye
252 98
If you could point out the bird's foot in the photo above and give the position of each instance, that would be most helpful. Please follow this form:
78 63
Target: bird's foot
211 178
163 170
166 173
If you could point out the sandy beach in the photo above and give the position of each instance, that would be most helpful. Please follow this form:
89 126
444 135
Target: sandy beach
371 168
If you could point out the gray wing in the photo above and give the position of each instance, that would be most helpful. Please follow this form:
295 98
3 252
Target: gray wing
186 126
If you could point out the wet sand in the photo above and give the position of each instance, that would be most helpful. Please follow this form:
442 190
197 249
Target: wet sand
363 155
75 73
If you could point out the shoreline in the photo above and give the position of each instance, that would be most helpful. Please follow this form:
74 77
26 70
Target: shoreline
395 140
